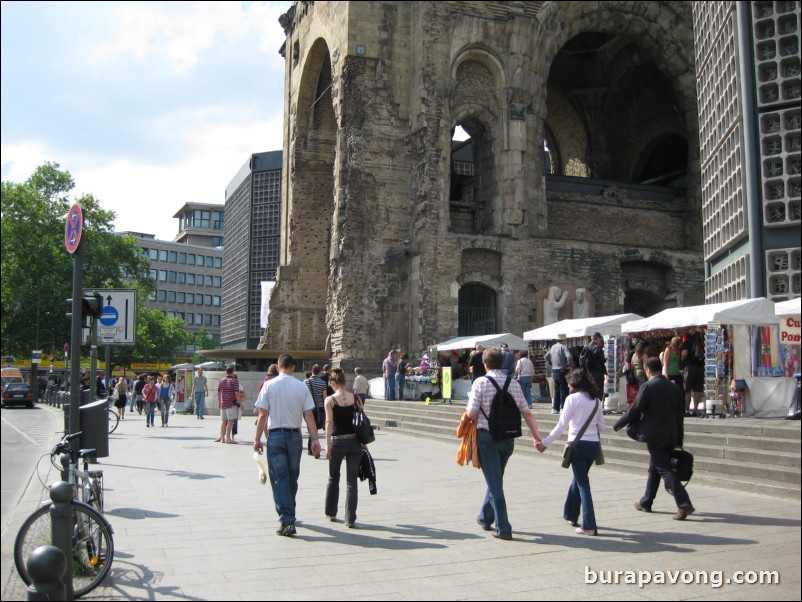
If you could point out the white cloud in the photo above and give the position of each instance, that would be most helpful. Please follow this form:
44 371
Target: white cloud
19 160
146 196
145 30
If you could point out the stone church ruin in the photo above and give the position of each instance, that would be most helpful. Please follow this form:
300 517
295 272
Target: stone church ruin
447 163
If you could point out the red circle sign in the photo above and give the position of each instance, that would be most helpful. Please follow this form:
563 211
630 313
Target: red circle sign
73 228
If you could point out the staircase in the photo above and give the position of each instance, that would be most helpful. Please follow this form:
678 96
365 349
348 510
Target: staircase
744 454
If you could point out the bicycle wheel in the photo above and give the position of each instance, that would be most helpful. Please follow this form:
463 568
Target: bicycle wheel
114 420
92 545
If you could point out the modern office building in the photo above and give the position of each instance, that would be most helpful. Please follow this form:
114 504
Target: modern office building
188 282
252 233
201 224
748 84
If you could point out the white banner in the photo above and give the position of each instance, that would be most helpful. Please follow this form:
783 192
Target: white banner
267 288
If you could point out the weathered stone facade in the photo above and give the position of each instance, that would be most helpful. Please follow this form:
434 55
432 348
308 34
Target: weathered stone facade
389 239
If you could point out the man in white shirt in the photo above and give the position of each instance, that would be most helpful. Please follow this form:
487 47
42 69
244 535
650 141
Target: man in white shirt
284 403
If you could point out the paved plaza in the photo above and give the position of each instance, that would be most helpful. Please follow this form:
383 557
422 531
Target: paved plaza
192 522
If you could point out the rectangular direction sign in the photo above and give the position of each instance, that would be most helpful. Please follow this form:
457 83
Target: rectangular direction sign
117 324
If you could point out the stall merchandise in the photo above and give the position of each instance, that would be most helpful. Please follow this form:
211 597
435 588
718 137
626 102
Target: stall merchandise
742 344
609 327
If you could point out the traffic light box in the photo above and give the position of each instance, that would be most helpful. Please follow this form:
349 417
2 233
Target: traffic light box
91 308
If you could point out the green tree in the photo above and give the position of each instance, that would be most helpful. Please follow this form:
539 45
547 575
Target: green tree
36 267
201 340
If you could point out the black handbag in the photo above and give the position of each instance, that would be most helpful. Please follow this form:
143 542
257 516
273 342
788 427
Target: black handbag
362 427
682 464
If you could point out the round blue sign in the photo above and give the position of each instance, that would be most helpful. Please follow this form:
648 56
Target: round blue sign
110 316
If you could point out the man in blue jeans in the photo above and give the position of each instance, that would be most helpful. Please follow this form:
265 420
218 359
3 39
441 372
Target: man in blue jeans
560 360
494 453
200 389
284 403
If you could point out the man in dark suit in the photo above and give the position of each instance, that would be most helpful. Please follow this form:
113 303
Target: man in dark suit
656 417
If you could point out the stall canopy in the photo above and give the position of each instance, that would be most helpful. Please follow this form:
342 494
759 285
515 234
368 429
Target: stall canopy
582 327
488 340
789 308
751 312
183 367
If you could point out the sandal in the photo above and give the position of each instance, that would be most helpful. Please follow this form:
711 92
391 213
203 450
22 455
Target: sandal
231 441
219 440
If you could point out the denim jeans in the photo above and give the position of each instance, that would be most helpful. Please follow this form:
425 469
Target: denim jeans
389 390
164 408
351 450
560 390
284 467
582 459
494 454
200 404
400 380
150 412
526 386
660 466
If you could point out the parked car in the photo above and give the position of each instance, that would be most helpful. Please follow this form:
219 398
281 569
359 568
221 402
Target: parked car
17 394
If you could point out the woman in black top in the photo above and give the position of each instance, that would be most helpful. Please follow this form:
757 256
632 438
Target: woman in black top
341 443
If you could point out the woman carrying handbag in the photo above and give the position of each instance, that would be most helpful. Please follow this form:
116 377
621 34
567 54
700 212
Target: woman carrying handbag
342 444
585 420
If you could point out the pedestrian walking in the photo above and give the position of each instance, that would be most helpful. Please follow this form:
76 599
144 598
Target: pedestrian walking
494 453
200 389
342 444
584 418
656 418
166 396
284 404
151 393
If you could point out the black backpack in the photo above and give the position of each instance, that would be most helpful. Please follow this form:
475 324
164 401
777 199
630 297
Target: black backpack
504 421
586 359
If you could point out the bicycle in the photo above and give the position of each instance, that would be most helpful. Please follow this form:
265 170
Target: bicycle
114 417
92 534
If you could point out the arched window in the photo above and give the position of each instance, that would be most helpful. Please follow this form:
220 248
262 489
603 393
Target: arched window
477 310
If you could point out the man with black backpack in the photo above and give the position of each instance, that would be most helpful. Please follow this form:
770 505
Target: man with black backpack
592 361
497 403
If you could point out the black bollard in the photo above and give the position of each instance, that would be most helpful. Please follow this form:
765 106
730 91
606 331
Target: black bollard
61 529
46 566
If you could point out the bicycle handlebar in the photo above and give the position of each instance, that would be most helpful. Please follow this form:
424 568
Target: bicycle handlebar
63 445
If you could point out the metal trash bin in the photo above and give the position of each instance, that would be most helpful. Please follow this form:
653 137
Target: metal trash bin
95 427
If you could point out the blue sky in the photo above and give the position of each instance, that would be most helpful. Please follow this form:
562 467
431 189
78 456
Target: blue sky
147 104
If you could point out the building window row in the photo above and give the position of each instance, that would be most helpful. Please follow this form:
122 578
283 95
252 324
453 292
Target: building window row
165 296
193 319
190 278
182 258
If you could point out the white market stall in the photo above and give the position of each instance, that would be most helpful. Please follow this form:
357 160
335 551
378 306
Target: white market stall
582 327
461 387
610 329
755 349
183 386
514 342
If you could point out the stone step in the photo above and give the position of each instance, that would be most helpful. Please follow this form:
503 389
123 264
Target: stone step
746 454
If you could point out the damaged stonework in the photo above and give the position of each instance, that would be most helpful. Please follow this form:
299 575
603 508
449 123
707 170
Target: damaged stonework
580 168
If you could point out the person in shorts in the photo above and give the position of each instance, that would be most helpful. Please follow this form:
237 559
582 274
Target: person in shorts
227 390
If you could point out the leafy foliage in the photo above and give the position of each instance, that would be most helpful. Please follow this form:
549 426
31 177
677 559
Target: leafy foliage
37 269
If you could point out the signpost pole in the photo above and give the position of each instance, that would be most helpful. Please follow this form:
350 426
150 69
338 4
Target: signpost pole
73 230
93 362
75 339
